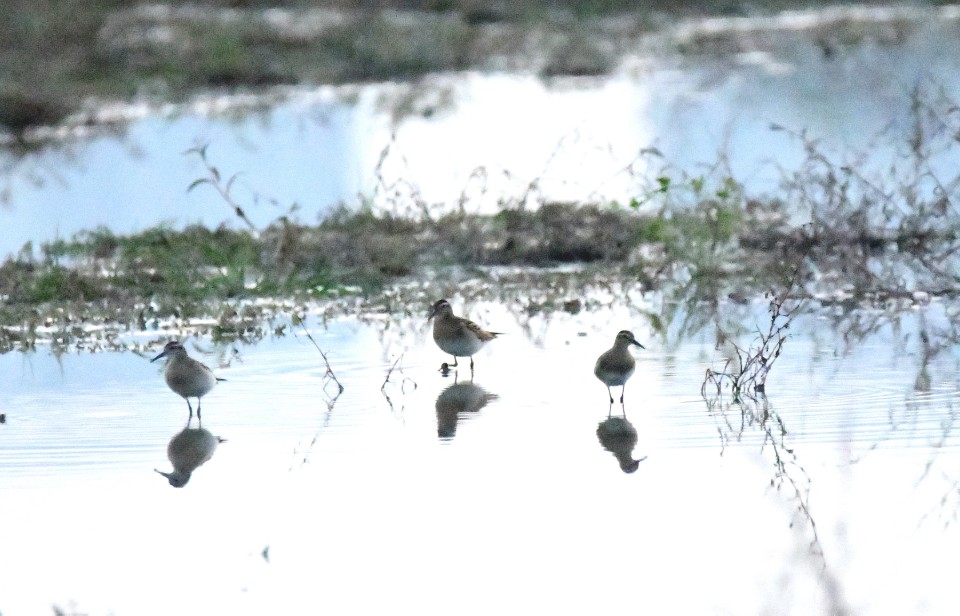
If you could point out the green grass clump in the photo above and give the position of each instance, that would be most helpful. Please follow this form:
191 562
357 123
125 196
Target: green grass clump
30 283
349 248
564 233
193 263
354 248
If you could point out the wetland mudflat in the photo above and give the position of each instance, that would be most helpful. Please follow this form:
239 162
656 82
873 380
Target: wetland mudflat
767 203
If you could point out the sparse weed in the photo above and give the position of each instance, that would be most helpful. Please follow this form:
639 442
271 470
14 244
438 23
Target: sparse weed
746 369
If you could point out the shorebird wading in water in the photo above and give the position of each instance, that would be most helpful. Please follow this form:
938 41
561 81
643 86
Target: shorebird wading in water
615 366
185 375
455 335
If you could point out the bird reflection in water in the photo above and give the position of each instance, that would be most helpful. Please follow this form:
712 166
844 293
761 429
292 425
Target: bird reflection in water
187 450
457 400
619 437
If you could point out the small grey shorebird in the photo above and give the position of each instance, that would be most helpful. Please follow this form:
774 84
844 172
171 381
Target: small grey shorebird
615 366
185 375
455 335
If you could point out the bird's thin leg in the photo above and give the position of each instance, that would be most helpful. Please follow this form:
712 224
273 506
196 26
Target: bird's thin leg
199 419
471 363
189 406
454 362
622 390
609 393
610 410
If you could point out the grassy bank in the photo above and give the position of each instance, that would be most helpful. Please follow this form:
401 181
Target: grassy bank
844 236
237 279
350 249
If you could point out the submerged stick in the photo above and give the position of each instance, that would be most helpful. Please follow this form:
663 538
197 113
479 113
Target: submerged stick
329 374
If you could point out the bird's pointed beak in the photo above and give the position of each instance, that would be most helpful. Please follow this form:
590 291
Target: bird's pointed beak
163 354
638 344
175 479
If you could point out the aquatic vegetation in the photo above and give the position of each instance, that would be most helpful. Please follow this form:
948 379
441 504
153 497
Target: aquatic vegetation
329 375
736 397
194 271
745 370
892 231
698 242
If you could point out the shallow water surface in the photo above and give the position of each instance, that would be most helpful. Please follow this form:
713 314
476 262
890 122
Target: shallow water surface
442 494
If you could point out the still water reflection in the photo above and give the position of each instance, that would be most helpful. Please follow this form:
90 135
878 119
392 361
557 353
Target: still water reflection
188 450
619 437
458 402
802 501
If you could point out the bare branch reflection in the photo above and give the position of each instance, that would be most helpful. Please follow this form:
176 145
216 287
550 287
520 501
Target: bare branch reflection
330 402
745 417
329 376
928 335
404 381
330 383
